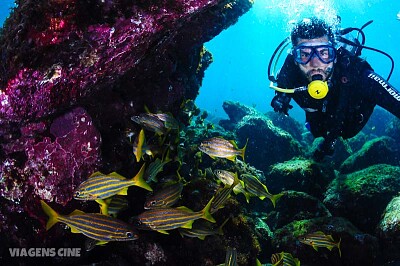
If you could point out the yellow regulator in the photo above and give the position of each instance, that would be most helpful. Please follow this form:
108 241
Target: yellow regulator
318 89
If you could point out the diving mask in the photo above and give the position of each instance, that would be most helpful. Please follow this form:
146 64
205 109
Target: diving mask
304 53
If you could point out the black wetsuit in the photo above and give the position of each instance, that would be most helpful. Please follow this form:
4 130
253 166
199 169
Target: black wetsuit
354 91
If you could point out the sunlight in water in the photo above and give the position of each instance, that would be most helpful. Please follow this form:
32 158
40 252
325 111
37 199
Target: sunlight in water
295 10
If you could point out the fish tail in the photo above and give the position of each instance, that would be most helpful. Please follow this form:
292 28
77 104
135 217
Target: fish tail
220 232
338 246
206 212
274 198
140 145
243 150
139 181
53 215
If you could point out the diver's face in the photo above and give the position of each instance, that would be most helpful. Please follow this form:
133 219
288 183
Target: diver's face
315 66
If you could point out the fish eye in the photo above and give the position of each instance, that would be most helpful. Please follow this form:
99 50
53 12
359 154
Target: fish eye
153 203
77 194
129 234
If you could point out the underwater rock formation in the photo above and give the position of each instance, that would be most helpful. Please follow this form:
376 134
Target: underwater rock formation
295 205
388 229
72 77
300 175
376 151
362 194
357 247
267 144
235 111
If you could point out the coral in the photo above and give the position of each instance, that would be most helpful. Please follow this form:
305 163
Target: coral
155 254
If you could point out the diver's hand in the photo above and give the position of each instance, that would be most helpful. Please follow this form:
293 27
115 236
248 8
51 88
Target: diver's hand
326 148
280 103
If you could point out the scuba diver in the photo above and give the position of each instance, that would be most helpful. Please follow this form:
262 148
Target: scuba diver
335 87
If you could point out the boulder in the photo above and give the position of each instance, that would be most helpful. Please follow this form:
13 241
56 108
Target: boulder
362 196
376 151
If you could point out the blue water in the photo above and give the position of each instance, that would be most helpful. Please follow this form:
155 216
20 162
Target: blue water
242 52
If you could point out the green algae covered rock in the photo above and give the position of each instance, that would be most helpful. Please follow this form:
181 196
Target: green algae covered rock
268 144
388 229
300 175
295 205
378 150
362 196
357 247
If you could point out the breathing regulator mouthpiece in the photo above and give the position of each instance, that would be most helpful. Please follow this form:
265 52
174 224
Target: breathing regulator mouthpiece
317 88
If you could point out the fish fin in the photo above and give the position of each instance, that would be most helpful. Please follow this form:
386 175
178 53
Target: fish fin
274 198
315 247
236 180
188 225
163 232
243 150
74 230
220 231
261 197
103 206
213 157
184 208
123 192
101 243
116 175
139 147
53 215
232 142
96 174
231 158
338 246
247 196
202 237
139 181
76 212
206 212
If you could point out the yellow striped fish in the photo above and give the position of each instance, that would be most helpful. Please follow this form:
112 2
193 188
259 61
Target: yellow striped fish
138 145
222 195
320 239
169 121
231 257
166 197
154 168
255 187
202 230
100 186
227 178
163 219
113 205
221 148
102 228
284 259
150 122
